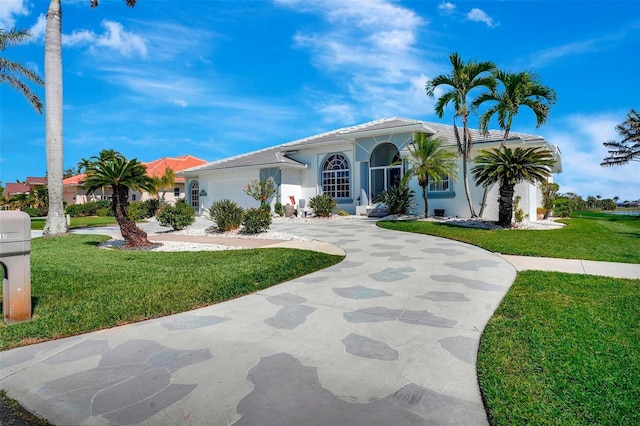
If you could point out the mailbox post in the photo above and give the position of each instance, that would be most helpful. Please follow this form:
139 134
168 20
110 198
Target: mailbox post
15 260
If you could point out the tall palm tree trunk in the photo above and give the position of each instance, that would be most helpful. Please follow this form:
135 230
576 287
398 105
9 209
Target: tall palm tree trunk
467 191
466 137
56 223
488 187
426 201
133 236
505 209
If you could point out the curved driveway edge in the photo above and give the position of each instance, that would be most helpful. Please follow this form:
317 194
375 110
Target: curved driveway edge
388 336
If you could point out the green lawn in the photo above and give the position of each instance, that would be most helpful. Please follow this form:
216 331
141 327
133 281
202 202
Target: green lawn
37 223
77 287
611 238
563 349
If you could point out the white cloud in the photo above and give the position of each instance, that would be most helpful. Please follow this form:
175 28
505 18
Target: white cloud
446 8
479 15
580 139
369 48
9 10
180 103
114 37
37 30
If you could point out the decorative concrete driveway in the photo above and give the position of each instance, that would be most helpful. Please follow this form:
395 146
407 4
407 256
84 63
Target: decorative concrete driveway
387 337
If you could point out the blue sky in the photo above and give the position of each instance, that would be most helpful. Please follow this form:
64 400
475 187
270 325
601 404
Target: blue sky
219 78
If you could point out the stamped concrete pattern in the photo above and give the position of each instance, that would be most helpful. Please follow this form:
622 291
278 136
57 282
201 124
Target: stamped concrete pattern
386 337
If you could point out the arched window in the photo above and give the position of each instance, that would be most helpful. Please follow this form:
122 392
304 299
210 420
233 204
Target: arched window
335 176
195 194
385 168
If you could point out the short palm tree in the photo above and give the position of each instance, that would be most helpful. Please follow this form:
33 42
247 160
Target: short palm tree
167 180
429 162
628 149
121 175
463 79
14 73
523 89
508 167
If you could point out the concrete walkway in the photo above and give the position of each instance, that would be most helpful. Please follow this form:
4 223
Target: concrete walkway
388 336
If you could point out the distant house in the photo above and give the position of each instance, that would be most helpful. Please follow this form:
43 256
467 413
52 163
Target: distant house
75 194
354 164
13 188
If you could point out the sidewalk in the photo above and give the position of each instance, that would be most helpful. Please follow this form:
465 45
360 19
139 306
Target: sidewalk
574 266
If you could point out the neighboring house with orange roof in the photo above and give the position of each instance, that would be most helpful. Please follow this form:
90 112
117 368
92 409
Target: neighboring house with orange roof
75 194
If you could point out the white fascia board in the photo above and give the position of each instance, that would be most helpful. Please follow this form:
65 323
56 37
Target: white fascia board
411 128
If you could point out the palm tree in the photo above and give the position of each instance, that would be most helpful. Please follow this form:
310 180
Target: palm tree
13 72
521 89
463 78
56 223
167 180
121 175
509 167
20 201
628 149
429 162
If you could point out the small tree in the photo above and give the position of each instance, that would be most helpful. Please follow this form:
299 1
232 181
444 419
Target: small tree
121 175
509 167
262 191
429 162
549 191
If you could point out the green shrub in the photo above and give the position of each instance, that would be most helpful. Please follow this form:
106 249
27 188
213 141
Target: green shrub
323 205
256 221
265 207
32 212
549 191
518 213
177 217
103 212
151 205
136 211
279 209
562 207
226 214
343 213
87 209
398 199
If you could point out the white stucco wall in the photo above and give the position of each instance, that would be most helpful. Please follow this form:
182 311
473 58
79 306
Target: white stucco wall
228 183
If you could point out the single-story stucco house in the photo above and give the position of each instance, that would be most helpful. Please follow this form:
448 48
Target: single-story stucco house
354 164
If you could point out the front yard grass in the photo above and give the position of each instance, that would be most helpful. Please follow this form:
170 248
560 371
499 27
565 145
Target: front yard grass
563 349
600 237
77 287
37 224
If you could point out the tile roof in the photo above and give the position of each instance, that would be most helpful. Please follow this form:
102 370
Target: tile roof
13 188
74 180
276 156
159 166
32 180
155 168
